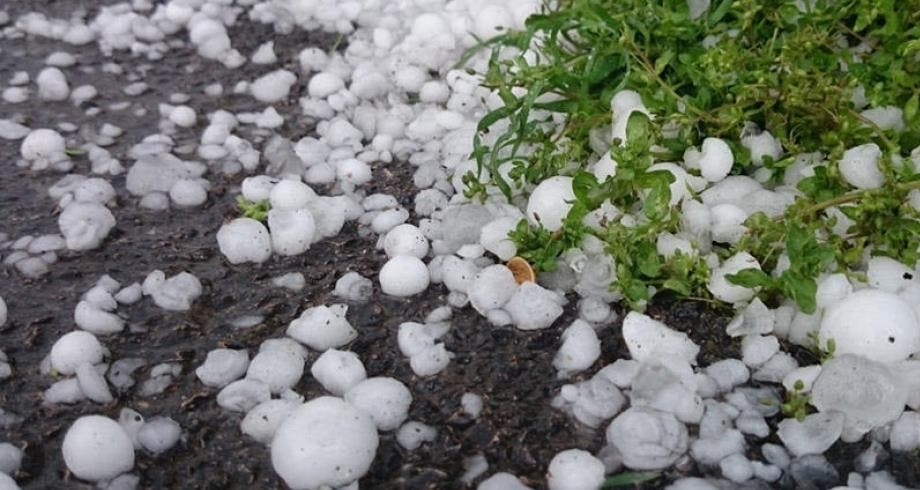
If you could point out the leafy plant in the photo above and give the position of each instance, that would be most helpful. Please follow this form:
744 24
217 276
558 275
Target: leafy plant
796 404
793 68
257 210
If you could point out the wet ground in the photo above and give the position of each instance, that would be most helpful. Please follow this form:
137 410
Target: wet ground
512 370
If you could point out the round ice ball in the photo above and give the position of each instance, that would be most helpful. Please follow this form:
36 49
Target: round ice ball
404 275
96 448
550 202
405 239
42 144
75 348
874 324
575 469
386 400
244 240
324 442
291 194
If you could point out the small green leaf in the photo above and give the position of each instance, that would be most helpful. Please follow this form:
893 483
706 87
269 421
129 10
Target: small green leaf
751 278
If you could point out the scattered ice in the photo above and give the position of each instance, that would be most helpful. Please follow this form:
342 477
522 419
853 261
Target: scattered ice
10 458
292 281
647 438
244 240
93 384
280 369
895 331
859 166
73 349
814 435
263 420
647 338
159 434
491 288
532 307
905 432
223 366
413 434
722 289
404 275
502 481
273 87
242 395
52 84
174 294
550 202
354 287
580 348
45 148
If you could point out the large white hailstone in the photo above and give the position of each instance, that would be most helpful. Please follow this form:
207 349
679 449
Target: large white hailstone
85 225
96 448
872 323
404 275
494 237
280 369
533 307
3 312
222 366
93 384
338 371
580 348
761 145
859 166
886 117
257 188
648 339
291 194
263 420
292 230
458 274
405 239
353 171
888 274
716 159
832 289
52 84
729 292
325 442
75 348
183 116
681 187
550 202
244 240
324 84
188 193
575 469
870 394
492 287
159 434
242 395
272 87
386 400
322 327
648 439
622 105
727 223
43 147
502 481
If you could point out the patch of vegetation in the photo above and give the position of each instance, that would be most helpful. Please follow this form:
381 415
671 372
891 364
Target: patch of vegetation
257 210
794 68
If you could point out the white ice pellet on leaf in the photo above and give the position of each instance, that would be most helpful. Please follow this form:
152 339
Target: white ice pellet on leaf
872 323
491 288
292 230
532 307
273 86
85 225
722 289
575 469
580 348
244 240
404 275
550 202
885 117
96 448
338 371
322 327
412 434
325 442
159 434
73 349
647 338
291 194
859 166
52 84
280 369
222 366
386 400
405 239
622 105
715 159
242 395
762 144
494 237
